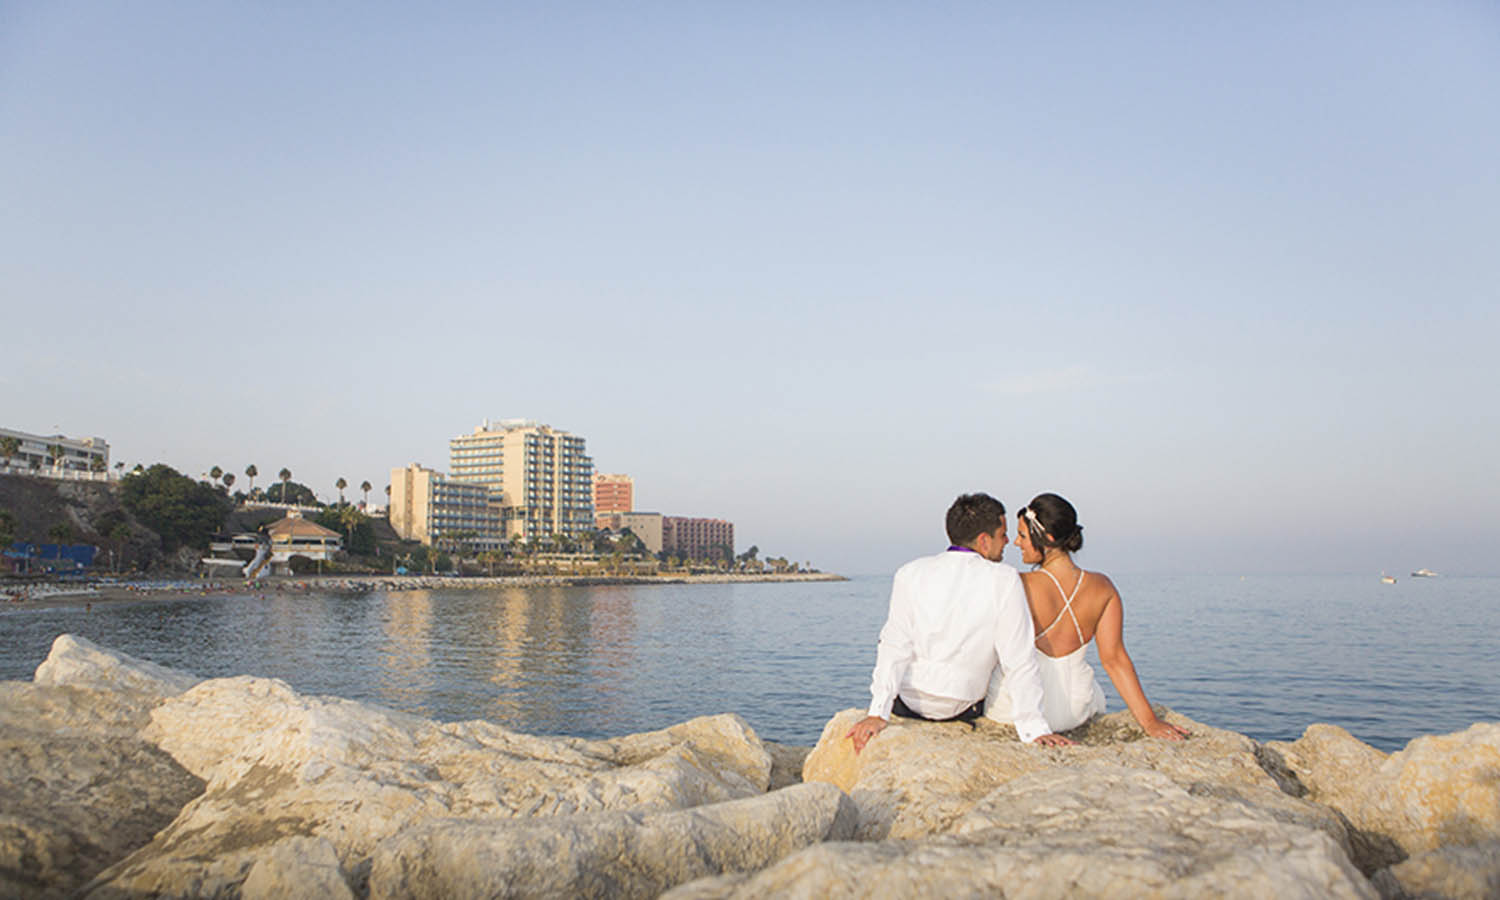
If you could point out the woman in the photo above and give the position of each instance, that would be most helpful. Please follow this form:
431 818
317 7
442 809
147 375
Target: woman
1070 607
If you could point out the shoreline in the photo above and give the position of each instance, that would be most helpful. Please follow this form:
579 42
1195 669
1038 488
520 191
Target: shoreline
113 590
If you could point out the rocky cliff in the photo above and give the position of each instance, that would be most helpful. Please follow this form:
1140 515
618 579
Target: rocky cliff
123 779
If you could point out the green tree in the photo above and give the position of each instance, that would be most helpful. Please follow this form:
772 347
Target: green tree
228 479
215 473
285 475
291 492
7 529
183 511
9 447
118 536
250 473
364 487
61 533
55 455
97 464
359 534
341 484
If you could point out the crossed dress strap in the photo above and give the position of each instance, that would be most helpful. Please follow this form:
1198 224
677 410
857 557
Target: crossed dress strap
1067 606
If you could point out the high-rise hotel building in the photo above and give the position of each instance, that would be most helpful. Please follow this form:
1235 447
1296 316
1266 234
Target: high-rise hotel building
540 479
426 506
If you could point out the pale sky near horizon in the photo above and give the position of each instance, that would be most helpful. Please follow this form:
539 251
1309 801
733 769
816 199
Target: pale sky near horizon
1225 276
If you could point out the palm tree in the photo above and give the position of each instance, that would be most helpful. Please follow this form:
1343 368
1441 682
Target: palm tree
228 479
341 484
251 471
215 473
55 455
9 447
285 475
365 487
350 518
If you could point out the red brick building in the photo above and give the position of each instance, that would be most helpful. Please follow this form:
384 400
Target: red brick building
697 538
612 494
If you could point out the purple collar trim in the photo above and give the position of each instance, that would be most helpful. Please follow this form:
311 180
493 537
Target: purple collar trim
954 548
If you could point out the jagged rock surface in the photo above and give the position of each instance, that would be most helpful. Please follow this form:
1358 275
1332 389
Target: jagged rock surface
615 854
917 778
1440 791
78 789
1460 873
1087 831
280 765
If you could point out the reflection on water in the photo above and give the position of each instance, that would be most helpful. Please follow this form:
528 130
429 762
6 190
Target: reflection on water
1266 656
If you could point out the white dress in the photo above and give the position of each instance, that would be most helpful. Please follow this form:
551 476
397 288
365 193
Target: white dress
1070 693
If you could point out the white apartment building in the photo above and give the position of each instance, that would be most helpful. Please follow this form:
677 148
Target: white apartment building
430 507
540 479
53 456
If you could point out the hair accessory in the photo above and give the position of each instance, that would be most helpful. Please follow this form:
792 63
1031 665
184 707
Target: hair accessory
1030 515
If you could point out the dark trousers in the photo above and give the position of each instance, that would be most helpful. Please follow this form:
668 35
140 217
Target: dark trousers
899 708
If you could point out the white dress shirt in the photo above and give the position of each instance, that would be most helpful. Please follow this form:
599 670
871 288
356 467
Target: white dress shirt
953 616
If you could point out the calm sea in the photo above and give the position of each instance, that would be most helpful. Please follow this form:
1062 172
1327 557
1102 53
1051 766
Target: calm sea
1261 655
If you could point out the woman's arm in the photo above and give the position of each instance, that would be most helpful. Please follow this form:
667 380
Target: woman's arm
1110 639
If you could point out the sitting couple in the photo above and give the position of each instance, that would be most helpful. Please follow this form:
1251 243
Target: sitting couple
955 615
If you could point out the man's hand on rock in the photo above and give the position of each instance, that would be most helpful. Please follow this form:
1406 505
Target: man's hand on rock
1053 740
865 729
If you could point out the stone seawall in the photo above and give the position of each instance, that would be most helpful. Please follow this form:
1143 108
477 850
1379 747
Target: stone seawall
106 589
119 778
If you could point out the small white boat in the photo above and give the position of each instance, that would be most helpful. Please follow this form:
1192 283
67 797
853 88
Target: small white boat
1424 573
1387 579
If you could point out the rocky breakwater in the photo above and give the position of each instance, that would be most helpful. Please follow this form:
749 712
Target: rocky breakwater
123 779
119 778
949 810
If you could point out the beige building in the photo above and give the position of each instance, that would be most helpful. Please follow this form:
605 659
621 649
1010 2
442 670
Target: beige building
296 536
644 525
697 538
430 507
540 479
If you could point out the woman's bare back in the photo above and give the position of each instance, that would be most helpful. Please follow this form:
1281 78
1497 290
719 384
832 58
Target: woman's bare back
1048 604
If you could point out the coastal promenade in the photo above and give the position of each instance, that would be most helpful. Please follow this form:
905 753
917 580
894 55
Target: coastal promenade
116 589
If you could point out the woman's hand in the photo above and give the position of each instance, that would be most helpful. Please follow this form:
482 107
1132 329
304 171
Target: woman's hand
1166 731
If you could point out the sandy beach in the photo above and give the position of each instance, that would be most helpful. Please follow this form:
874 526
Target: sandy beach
106 590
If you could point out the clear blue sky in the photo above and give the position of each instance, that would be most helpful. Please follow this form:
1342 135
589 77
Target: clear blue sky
1226 276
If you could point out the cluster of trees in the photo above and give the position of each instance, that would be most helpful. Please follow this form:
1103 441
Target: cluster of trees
185 512
284 490
613 551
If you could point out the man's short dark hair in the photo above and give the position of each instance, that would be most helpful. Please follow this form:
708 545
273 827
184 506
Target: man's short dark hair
972 515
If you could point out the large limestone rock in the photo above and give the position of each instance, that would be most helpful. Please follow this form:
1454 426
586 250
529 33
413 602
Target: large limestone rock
1458 873
917 778
1074 831
78 789
280 766
82 663
1441 790
613 854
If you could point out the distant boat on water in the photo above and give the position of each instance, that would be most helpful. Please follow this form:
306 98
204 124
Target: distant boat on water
1387 579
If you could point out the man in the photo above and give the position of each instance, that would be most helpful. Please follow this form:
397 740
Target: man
952 617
